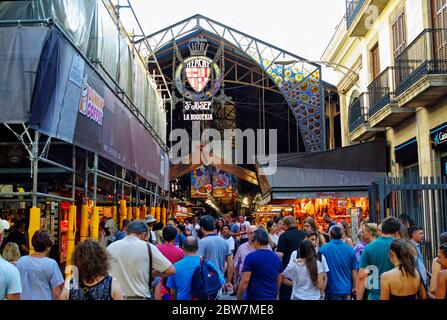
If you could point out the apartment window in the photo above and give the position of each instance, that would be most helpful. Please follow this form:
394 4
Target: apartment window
439 17
439 13
375 61
399 33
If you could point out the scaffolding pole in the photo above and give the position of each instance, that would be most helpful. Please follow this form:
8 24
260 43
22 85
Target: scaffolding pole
73 176
35 164
95 178
86 177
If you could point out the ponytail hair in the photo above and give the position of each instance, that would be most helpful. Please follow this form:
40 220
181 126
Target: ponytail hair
307 251
406 253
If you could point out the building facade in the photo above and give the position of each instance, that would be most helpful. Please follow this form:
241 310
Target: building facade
395 87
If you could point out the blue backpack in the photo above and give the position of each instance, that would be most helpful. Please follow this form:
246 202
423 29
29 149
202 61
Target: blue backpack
205 284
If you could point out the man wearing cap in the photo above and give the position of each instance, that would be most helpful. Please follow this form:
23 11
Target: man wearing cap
10 283
149 219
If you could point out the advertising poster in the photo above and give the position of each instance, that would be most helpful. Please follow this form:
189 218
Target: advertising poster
200 182
222 186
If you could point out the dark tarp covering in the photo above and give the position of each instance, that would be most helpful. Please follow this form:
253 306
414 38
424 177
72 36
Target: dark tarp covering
19 58
367 156
90 26
77 18
72 103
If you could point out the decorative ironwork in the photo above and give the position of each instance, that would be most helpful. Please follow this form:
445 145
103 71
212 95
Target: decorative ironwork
424 56
357 113
379 92
299 81
352 9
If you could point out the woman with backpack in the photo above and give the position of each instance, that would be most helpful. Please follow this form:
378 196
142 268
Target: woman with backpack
306 274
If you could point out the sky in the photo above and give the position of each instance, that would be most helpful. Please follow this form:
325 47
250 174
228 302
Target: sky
302 27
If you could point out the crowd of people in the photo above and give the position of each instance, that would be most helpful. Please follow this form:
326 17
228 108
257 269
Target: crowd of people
148 260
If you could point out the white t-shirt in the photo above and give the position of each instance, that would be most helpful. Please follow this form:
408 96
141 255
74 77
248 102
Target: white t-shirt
244 227
274 238
230 242
303 287
129 264
323 261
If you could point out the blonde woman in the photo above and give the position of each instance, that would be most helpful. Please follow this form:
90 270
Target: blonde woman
11 252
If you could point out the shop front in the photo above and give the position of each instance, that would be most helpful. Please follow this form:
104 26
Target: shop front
270 211
334 182
438 138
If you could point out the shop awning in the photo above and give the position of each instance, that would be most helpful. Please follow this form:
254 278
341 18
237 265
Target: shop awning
344 172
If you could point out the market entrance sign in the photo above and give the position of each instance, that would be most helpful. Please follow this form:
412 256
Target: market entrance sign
198 79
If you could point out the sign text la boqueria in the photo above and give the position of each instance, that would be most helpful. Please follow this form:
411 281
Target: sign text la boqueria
197 106
198 78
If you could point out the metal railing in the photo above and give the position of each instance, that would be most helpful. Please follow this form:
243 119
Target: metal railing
379 91
357 113
422 199
352 9
427 54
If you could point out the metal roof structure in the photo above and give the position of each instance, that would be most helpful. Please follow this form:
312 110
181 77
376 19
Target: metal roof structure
297 79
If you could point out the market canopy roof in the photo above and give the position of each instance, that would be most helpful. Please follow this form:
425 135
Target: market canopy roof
297 79
340 172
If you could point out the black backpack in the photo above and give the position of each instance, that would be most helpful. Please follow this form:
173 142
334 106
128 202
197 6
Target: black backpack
205 284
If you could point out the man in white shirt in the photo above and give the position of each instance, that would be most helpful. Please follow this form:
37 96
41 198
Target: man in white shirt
130 262
243 229
228 238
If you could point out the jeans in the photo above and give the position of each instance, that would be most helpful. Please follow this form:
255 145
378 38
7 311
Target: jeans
285 292
337 297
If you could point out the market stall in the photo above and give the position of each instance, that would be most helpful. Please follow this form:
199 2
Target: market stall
269 212
335 182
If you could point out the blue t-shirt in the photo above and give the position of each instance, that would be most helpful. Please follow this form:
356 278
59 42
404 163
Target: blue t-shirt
39 277
265 266
215 249
341 260
376 254
181 280
234 228
179 239
9 279
120 235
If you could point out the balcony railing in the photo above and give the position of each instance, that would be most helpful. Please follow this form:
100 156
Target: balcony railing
357 113
379 92
352 9
427 54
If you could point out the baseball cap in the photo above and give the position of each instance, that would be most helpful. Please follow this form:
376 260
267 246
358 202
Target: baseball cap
4 225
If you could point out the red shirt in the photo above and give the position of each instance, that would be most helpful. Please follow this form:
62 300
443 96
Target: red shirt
171 252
